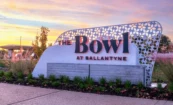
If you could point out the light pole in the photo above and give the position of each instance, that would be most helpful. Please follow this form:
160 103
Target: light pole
20 44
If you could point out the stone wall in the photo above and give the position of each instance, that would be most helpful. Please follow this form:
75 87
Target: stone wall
134 73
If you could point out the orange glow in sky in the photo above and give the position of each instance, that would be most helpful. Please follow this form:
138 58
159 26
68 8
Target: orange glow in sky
25 17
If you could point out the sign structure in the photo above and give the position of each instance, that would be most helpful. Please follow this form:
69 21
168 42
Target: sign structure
112 46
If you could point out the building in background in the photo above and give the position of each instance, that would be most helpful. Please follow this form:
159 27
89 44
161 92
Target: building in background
17 52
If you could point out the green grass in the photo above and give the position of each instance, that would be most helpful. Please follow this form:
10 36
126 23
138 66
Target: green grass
158 75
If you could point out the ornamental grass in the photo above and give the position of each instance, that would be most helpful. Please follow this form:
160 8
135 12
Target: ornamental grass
166 66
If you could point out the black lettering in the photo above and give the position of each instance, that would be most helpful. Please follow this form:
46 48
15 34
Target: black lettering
99 48
106 58
98 58
78 58
113 44
86 58
102 58
69 42
64 42
125 42
124 58
120 58
81 57
85 47
111 58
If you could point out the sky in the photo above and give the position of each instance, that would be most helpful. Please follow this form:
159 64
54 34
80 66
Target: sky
25 17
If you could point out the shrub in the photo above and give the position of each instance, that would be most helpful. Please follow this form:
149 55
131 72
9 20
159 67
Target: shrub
96 89
102 81
55 83
61 77
87 87
19 80
29 76
102 89
140 85
20 75
99 89
110 83
117 90
45 83
127 84
118 82
8 74
170 87
1 73
77 80
32 81
89 81
1 78
8 79
64 79
52 78
159 86
41 77
81 85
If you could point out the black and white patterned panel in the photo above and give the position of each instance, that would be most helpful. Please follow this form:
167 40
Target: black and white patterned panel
146 35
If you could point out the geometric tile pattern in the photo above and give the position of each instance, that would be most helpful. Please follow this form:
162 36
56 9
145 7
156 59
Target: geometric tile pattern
146 35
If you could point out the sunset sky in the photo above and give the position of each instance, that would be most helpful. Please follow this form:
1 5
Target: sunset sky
25 17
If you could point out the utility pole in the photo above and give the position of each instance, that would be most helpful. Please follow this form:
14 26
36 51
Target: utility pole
20 44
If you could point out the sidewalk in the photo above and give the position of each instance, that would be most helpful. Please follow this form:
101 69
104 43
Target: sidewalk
25 95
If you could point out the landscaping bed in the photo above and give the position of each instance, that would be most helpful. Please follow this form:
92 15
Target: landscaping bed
88 85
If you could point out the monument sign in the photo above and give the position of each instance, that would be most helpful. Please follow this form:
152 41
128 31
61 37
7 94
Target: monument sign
118 51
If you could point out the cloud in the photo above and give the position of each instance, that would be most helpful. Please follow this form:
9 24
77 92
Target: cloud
10 34
23 17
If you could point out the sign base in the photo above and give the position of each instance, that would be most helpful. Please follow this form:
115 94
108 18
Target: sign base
133 73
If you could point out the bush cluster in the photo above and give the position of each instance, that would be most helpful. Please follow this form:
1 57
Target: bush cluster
87 84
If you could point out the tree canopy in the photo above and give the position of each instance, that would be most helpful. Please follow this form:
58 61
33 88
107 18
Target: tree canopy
40 43
164 43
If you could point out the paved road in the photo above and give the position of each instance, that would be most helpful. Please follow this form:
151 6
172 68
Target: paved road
25 95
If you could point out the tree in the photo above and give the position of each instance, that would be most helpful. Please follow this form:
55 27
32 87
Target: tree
164 44
170 48
40 42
